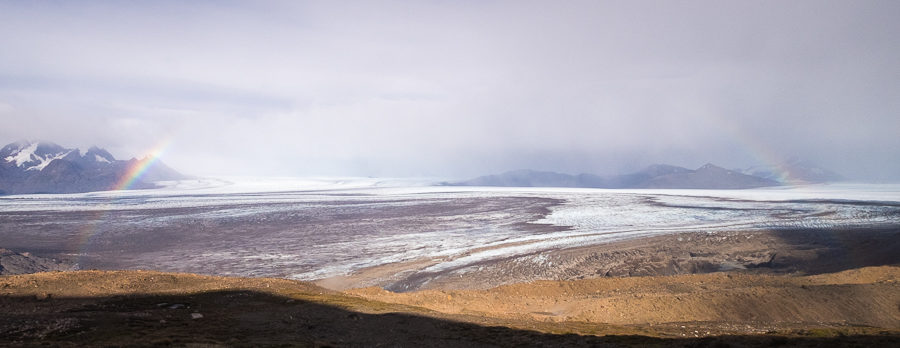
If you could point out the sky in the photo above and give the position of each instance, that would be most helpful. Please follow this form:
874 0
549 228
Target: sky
455 89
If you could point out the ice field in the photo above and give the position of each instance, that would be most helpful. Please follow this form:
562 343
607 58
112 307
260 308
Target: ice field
314 228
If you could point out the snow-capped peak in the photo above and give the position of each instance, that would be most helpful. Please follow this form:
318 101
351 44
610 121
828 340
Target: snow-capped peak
23 154
44 161
69 170
34 155
710 166
97 154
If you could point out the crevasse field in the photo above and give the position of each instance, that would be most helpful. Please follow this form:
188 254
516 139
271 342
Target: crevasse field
316 228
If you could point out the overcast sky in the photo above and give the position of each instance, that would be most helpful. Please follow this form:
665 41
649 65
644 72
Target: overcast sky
458 88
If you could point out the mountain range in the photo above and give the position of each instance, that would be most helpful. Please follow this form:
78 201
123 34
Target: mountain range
45 167
661 176
794 171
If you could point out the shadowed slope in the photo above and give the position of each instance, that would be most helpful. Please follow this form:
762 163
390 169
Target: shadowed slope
140 308
867 297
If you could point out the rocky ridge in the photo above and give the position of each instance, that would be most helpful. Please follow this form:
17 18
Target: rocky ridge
43 167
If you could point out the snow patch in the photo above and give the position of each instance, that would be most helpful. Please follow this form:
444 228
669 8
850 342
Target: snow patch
26 154
23 155
98 158
46 160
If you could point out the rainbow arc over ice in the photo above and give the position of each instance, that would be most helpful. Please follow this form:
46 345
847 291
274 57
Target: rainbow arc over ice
86 235
137 171
762 152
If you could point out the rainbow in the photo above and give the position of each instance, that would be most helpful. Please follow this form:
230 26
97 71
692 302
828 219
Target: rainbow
85 235
761 152
137 171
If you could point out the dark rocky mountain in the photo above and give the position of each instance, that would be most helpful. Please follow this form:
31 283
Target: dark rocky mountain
43 167
656 176
795 171
708 176
641 178
525 178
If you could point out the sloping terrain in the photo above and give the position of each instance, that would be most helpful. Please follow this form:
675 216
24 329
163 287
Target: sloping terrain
708 176
143 308
23 263
861 297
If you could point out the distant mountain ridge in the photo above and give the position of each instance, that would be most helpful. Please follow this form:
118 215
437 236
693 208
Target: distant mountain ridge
659 176
45 167
795 170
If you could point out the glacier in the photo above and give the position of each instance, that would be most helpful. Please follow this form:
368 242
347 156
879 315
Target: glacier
313 228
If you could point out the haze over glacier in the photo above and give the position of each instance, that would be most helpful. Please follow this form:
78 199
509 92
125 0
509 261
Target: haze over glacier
318 228
458 90
450 173
714 95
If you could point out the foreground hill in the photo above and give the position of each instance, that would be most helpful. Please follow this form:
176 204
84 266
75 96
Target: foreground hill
43 167
659 176
757 302
142 308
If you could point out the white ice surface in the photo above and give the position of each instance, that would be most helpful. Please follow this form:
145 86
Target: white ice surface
594 215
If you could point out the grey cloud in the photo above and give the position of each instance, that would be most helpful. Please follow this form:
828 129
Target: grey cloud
459 88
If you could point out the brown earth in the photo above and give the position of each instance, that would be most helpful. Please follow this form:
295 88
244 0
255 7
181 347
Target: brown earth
144 308
750 288
747 302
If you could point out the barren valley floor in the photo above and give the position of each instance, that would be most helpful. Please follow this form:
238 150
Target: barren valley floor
544 268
